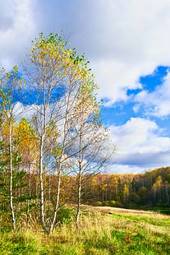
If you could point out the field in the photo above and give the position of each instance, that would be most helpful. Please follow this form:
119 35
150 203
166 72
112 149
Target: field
103 231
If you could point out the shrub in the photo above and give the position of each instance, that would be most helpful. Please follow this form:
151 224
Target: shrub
65 215
112 203
106 203
98 203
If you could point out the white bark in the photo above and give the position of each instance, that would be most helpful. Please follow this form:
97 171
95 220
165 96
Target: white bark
11 176
42 207
57 203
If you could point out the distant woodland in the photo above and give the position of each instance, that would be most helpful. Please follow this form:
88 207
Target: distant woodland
149 190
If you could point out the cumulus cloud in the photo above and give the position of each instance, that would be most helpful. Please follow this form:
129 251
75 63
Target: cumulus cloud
140 144
17 26
156 103
122 39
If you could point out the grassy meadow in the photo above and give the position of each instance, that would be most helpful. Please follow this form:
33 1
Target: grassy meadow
102 232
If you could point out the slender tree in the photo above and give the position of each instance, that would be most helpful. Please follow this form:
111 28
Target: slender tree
90 137
76 71
45 74
9 82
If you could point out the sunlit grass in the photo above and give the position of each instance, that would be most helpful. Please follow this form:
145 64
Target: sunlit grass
98 234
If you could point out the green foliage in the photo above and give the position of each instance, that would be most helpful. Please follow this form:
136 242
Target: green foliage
19 244
65 215
98 203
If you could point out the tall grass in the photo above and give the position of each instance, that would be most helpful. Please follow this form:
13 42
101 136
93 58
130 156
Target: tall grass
98 234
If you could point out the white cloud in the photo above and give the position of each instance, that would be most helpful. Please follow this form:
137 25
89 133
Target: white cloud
16 30
134 34
157 103
123 169
24 111
140 144
114 85
123 39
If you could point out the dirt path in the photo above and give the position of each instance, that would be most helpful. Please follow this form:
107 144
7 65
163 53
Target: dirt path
110 210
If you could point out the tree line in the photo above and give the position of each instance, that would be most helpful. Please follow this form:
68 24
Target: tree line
147 190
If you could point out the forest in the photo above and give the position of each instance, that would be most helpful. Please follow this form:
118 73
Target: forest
145 191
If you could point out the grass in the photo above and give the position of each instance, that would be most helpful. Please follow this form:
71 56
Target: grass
99 234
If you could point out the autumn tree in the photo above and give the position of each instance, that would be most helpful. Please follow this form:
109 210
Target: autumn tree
45 74
90 137
53 67
27 148
76 73
9 82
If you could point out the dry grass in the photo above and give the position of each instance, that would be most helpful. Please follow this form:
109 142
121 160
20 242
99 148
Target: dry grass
100 233
112 210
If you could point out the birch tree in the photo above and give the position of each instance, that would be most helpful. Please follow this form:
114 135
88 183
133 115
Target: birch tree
53 66
90 135
45 74
9 82
75 72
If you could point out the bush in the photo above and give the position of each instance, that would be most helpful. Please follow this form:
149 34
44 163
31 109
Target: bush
118 204
113 203
65 215
106 203
98 203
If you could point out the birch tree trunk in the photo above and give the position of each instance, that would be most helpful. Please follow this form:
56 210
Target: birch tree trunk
57 202
79 177
11 176
79 197
42 209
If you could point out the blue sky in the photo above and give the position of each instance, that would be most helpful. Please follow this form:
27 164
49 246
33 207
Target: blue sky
119 112
127 43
